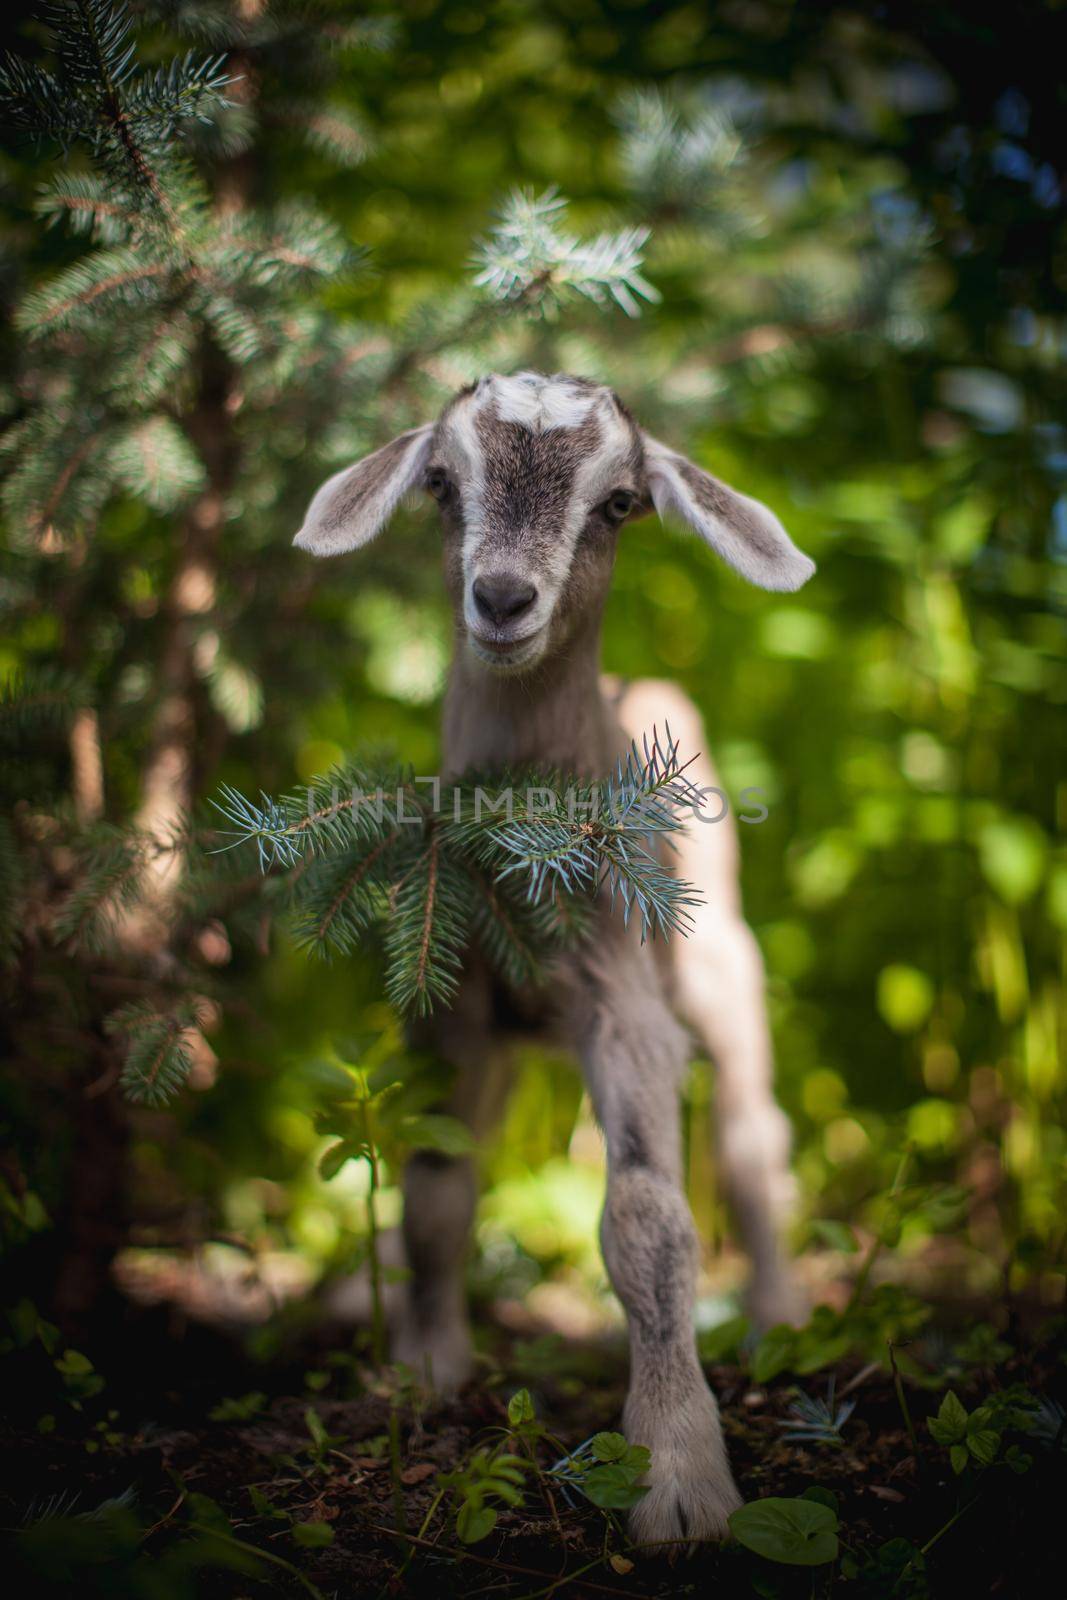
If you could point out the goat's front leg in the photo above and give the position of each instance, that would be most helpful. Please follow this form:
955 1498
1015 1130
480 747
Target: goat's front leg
432 1334
634 1054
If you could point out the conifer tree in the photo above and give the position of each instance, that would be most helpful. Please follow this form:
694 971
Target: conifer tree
183 383
163 365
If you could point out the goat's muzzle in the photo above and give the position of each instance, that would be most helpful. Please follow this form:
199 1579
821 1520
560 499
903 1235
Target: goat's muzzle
502 599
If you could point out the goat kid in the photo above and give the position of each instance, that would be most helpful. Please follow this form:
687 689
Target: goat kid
534 477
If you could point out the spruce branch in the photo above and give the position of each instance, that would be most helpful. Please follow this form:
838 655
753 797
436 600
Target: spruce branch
155 461
333 131
87 204
365 847
598 835
682 161
158 1055
341 896
127 117
123 275
39 698
427 929
528 255
112 868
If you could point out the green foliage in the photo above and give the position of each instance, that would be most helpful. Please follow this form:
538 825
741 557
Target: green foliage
797 1533
896 1568
975 1438
98 96
385 1114
61 1550
213 350
78 1376
239 1409
886 1316
813 1420
367 847
322 1443
158 1058
313 1535
856 321
489 1476
608 1471
108 886
528 256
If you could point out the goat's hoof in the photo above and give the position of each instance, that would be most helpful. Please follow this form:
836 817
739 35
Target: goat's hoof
678 1513
441 1359
691 1489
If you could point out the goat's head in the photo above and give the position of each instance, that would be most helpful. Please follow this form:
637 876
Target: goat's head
534 477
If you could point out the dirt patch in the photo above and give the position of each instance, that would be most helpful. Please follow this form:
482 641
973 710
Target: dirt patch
243 1469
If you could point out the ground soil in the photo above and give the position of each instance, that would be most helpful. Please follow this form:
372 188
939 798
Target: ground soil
165 1446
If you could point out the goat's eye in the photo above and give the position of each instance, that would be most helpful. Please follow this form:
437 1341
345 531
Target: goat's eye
437 483
619 505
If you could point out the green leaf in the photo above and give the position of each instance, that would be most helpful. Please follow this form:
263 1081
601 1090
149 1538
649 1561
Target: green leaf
208 1514
435 1132
775 1353
798 1533
813 1352
474 1522
637 1459
821 1496
334 1158
950 1424
263 1506
313 1535
612 1486
958 1457
239 1409
317 1428
521 1408
72 1364
608 1446
722 1341
983 1445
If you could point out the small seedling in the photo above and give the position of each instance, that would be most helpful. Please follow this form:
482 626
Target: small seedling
488 1476
815 1421
241 1408
385 1115
322 1443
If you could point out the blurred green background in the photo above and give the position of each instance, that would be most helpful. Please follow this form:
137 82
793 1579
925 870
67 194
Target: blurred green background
857 232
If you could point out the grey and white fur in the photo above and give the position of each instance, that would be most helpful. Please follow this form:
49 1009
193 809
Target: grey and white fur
534 478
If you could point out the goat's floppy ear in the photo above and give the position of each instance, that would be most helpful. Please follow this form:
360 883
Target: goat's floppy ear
355 504
747 536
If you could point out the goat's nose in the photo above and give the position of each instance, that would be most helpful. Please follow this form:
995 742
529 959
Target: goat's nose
502 599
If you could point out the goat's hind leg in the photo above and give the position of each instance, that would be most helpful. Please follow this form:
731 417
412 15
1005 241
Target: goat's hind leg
432 1334
718 989
634 1055
719 978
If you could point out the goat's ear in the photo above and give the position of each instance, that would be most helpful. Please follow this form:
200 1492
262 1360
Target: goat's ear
747 536
355 504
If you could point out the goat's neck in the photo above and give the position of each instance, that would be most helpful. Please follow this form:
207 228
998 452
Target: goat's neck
552 717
